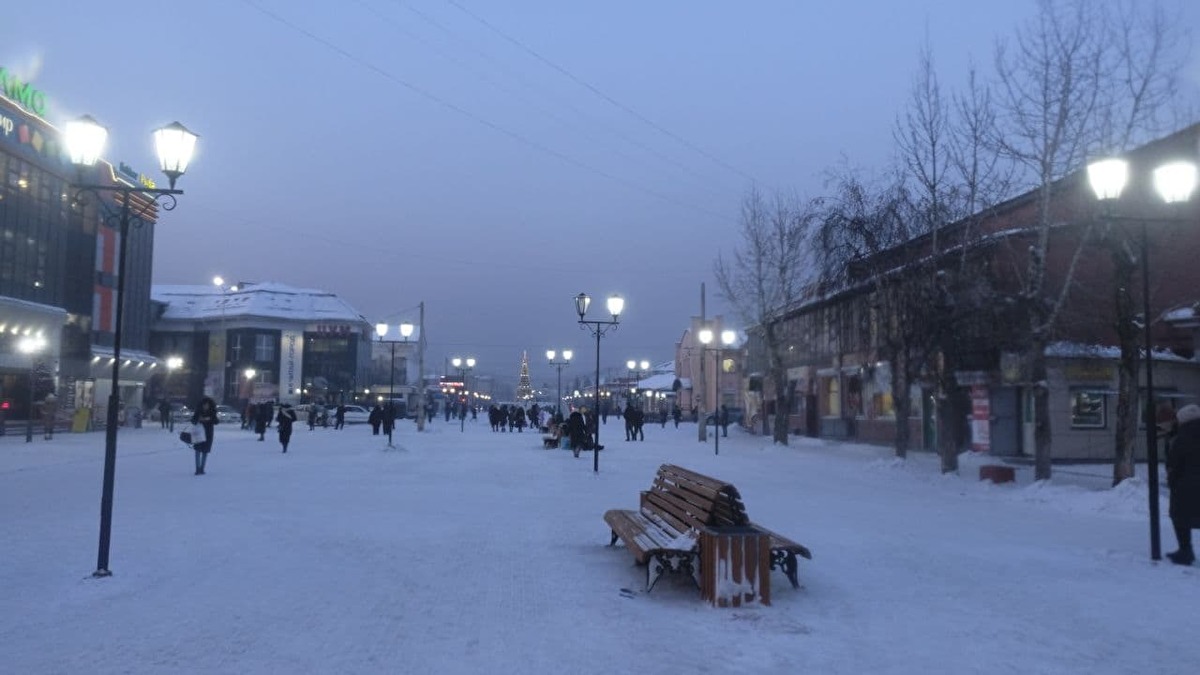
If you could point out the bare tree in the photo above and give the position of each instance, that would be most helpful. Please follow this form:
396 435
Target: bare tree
1049 104
1079 78
861 248
766 277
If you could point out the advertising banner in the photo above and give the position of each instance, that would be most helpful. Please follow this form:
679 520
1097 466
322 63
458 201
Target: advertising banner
291 366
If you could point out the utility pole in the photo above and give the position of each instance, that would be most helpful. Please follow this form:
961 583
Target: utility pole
421 373
699 385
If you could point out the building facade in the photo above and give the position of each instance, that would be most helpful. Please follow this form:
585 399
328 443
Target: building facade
261 342
844 379
58 270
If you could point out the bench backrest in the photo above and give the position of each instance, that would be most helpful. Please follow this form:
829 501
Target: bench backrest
691 501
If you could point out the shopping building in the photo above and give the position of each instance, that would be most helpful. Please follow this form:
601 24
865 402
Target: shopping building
259 342
58 270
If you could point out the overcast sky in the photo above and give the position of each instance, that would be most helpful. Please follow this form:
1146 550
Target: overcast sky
492 159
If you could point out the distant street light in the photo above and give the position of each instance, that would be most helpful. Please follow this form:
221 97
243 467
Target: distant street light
406 329
598 328
559 365
1174 182
84 140
727 338
464 366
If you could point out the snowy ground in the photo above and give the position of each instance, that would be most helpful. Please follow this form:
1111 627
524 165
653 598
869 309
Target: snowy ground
483 553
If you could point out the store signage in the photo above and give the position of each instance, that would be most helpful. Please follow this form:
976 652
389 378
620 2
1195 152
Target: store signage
22 93
132 176
981 414
333 328
291 365
7 124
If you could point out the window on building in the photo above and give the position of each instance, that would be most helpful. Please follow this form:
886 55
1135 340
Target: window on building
235 347
264 348
1088 409
833 397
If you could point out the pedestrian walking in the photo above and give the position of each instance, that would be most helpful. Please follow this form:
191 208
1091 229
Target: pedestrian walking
1183 479
286 418
164 412
262 417
387 417
312 416
49 413
206 417
375 419
676 414
339 418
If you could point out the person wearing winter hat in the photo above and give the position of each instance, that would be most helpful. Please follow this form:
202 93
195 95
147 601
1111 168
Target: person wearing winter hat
1183 480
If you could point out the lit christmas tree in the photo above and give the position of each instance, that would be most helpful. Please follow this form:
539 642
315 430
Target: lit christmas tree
524 390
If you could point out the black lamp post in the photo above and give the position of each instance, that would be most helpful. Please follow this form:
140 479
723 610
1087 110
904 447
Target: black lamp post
559 365
85 142
381 329
1174 182
226 289
706 337
463 366
598 327
635 373
173 363
31 345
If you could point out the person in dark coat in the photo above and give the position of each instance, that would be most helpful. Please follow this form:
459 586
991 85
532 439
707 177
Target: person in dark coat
339 417
676 414
164 412
387 418
205 416
286 418
375 419
312 416
628 415
262 417
578 435
1183 479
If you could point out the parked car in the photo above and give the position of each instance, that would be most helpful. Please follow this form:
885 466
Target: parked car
181 412
322 414
355 414
226 414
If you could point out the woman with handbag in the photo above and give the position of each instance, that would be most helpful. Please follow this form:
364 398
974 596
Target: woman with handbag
206 418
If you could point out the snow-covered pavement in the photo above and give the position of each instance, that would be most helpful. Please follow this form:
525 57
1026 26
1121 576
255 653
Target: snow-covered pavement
484 553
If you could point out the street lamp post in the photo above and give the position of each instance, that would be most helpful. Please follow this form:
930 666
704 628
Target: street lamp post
85 140
219 282
598 328
31 345
559 365
173 363
1174 182
381 329
706 337
464 366
635 373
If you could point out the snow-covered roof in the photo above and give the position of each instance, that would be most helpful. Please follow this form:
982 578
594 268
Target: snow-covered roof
266 299
657 382
1076 350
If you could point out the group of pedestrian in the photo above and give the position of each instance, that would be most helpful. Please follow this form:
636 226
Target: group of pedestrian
635 421
381 417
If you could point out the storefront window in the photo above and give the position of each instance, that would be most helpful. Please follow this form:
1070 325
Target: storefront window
881 391
1088 409
833 397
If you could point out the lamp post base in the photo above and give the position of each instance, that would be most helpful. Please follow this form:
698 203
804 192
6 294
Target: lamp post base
100 574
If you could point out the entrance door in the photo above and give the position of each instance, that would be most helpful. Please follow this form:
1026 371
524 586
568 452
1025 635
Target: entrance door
1005 422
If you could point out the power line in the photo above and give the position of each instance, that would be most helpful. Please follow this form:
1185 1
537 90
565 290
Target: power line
583 83
472 116
469 46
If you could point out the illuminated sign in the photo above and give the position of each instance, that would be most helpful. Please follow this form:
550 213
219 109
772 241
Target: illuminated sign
7 125
22 93
134 177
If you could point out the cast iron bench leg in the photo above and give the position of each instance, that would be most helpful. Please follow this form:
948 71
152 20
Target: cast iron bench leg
614 539
786 561
670 561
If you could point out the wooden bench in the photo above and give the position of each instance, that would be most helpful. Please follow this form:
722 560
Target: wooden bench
664 533
783 550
